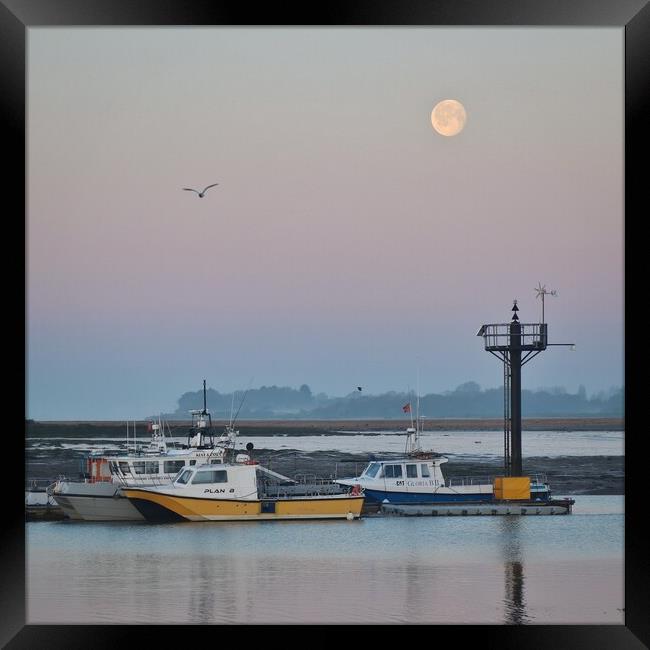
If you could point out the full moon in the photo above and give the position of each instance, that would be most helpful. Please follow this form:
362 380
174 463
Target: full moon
448 117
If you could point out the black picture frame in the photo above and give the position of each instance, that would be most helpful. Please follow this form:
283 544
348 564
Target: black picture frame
632 16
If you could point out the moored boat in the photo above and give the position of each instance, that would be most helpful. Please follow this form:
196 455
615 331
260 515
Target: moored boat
97 495
417 477
230 492
420 480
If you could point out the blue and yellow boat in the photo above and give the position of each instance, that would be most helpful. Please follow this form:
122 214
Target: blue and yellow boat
417 478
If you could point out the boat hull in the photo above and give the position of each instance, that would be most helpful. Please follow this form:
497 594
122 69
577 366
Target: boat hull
100 501
157 508
381 496
97 508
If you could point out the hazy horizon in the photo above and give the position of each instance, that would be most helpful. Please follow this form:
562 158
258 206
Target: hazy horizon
347 244
239 393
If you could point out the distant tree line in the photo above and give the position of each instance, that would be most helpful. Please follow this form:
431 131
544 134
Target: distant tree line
466 401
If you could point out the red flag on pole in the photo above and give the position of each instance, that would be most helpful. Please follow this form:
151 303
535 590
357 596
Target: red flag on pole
407 408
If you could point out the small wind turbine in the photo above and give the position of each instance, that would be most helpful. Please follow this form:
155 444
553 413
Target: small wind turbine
543 291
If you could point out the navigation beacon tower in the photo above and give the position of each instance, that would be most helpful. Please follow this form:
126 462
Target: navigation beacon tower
515 344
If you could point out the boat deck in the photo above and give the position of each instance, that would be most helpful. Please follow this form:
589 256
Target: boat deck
300 489
527 508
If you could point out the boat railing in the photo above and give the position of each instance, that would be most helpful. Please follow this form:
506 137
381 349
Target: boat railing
305 478
313 479
37 484
455 481
42 486
270 490
106 453
145 479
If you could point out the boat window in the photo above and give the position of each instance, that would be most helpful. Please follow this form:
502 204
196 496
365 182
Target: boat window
211 476
215 461
173 466
411 471
393 471
192 462
124 467
151 467
424 469
138 466
372 470
184 477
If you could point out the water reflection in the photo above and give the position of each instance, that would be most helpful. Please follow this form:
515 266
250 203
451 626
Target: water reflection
513 567
201 603
401 570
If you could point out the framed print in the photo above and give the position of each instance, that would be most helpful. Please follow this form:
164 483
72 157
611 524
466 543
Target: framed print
336 202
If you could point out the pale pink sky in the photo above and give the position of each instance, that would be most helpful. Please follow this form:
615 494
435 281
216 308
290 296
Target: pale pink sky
347 243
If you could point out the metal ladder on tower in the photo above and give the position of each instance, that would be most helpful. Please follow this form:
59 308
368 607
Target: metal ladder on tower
507 416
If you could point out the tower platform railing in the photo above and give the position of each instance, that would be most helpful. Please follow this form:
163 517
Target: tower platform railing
499 337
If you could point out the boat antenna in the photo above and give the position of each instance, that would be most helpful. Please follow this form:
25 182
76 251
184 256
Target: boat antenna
232 406
205 412
242 402
417 416
239 409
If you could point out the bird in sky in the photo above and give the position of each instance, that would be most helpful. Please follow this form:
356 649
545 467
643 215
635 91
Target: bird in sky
202 193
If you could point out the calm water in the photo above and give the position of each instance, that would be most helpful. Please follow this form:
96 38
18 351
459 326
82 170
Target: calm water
480 444
560 569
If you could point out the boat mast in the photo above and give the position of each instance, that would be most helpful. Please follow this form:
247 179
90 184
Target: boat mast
409 430
417 416
232 408
203 414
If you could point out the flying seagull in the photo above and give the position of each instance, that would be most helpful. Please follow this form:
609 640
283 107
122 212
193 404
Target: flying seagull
201 194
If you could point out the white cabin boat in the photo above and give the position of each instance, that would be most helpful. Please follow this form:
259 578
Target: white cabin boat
97 495
418 478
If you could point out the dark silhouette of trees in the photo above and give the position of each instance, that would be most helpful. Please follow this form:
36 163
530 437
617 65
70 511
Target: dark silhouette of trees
466 401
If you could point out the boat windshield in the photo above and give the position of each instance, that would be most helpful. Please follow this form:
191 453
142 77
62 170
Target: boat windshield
372 469
211 476
184 476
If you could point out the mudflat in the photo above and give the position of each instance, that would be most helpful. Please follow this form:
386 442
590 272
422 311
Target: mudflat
55 429
566 474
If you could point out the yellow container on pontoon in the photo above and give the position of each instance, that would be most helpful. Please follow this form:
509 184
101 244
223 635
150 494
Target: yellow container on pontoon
512 488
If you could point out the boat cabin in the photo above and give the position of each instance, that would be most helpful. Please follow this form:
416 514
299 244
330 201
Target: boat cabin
223 481
408 472
128 468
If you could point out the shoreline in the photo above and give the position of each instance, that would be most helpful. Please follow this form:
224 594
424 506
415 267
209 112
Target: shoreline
112 428
567 475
